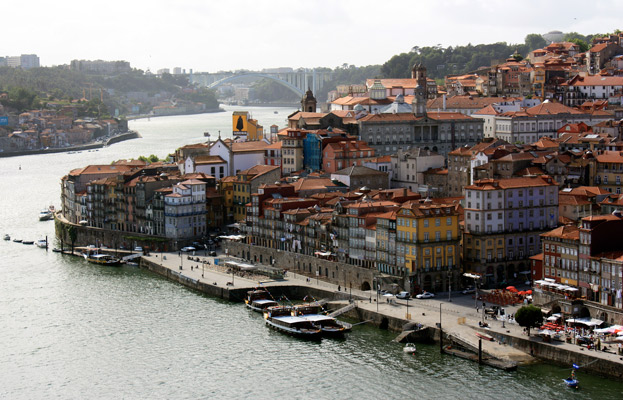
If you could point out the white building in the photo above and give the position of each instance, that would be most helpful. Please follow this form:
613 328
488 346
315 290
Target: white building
531 124
593 87
408 167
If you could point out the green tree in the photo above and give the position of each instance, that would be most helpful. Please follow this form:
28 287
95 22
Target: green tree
583 45
534 41
72 233
529 317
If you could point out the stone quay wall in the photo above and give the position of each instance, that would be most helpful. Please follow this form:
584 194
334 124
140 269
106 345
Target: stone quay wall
87 235
345 275
558 355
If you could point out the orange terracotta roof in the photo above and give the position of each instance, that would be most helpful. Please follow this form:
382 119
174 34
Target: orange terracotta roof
571 232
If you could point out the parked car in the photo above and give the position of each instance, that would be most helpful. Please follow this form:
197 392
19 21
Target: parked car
425 295
403 295
198 246
213 254
469 290
138 248
188 248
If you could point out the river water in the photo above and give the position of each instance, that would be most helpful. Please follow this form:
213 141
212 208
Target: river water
72 330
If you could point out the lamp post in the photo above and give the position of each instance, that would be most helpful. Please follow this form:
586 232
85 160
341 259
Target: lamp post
408 316
449 285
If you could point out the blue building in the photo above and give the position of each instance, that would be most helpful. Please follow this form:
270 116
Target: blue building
315 141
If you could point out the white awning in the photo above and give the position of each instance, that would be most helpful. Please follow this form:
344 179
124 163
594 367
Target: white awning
585 321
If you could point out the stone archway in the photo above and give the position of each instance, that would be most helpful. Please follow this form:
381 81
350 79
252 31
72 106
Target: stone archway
428 282
365 286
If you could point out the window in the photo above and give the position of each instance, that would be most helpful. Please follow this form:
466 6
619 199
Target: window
437 222
426 236
425 223
448 221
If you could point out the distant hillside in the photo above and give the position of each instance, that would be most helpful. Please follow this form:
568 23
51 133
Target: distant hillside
59 83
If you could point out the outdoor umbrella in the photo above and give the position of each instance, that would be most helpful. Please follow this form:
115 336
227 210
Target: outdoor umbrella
511 288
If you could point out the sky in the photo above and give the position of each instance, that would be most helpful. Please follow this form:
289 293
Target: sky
223 35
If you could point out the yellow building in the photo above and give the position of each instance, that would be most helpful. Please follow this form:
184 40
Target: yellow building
247 182
245 126
427 241
226 189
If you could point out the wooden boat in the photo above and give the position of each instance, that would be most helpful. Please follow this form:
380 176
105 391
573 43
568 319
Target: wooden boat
280 318
17 240
260 305
7 237
257 295
314 313
28 242
102 259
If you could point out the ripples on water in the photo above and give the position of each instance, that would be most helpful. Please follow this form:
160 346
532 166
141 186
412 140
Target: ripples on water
72 330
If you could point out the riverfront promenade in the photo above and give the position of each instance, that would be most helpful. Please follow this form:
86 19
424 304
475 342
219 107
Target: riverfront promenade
459 317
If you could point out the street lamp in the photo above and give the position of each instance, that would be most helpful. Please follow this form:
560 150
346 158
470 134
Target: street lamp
449 285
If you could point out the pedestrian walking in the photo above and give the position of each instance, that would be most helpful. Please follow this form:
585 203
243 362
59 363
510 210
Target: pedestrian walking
339 288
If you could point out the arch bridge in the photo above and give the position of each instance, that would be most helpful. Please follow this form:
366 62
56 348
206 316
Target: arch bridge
297 81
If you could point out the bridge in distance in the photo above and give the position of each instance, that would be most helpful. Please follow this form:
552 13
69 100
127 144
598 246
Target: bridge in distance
298 81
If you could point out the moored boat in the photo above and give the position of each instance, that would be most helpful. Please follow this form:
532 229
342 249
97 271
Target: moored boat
314 313
28 242
256 295
43 243
102 259
7 237
45 215
280 318
17 240
260 305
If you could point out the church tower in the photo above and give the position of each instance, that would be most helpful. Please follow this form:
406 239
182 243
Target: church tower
418 72
308 102
419 102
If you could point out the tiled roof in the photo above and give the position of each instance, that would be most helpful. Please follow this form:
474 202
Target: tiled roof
466 102
512 183
571 232
608 156
249 147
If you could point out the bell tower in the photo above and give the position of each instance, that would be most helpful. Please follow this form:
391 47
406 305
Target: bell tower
308 102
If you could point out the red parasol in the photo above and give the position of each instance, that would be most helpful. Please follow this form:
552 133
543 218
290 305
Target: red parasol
511 288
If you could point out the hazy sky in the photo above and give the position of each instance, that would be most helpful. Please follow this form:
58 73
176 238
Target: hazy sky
208 35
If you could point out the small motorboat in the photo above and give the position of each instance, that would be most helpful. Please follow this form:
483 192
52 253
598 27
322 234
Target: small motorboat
409 348
57 250
43 243
28 242
17 240
572 382
7 237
